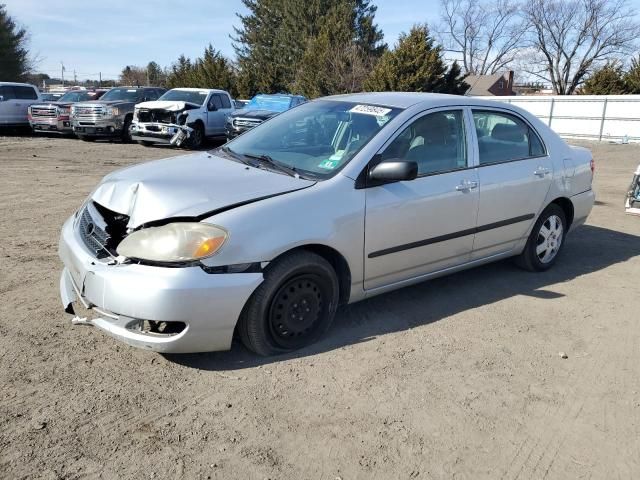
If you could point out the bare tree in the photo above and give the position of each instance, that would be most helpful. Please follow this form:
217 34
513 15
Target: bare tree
487 34
569 39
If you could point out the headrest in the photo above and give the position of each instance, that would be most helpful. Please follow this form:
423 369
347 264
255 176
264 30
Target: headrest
508 133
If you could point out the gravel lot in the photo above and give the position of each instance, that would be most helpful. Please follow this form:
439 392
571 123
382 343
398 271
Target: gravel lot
459 377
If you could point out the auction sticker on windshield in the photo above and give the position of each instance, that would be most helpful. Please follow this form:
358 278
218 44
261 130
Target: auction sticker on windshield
370 110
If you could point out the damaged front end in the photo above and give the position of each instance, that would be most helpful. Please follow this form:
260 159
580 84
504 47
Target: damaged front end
632 201
163 125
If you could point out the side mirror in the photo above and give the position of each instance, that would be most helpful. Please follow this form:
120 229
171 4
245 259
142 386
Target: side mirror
1 98
394 171
211 107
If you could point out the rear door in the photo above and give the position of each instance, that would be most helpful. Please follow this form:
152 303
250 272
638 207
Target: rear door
416 227
515 175
8 106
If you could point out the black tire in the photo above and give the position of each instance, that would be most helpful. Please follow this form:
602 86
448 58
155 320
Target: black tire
85 138
126 131
532 258
145 143
197 136
293 307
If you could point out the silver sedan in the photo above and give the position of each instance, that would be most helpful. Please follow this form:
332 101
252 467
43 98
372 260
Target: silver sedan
329 203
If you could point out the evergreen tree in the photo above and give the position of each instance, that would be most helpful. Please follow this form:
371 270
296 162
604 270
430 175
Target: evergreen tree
609 80
335 60
213 70
14 55
276 34
416 65
155 75
632 77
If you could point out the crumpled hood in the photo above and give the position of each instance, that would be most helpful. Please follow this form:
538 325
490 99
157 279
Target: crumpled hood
187 186
168 105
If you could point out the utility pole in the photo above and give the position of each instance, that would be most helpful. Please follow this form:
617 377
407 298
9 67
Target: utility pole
62 71
75 80
100 79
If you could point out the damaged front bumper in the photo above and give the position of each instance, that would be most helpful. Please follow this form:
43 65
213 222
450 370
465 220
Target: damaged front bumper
632 201
167 134
120 299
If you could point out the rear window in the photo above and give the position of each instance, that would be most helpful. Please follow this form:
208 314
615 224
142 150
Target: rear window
225 101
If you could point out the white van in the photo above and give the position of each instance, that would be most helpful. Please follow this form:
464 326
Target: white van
15 99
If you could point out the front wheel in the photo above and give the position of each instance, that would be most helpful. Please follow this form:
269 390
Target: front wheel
545 241
293 307
126 130
197 136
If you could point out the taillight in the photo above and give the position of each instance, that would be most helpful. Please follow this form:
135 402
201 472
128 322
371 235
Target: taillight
593 166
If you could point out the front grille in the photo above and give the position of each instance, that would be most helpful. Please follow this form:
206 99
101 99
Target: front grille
88 113
101 229
156 115
44 112
246 122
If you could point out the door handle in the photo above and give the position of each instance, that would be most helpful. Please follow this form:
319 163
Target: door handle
541 172
466 185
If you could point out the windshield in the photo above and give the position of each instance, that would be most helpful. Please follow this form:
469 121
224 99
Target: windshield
77 96
123 94
197 97
316 138
272 103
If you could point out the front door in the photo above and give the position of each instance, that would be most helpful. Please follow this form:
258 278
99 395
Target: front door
515 176
215 116
416 227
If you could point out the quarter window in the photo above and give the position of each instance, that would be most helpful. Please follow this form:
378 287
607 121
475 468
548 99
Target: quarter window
436 142
503 138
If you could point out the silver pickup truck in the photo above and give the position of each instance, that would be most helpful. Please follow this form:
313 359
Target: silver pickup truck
110 116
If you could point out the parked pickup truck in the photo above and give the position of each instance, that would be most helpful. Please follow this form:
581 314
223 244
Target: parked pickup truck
182 116
15 99
257 110
53 117
111 115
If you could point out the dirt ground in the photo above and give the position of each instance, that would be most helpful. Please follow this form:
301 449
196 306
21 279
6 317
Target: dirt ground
459 377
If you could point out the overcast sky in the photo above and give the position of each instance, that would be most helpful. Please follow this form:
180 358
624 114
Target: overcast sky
104 36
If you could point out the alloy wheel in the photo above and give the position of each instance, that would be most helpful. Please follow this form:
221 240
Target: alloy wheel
549 239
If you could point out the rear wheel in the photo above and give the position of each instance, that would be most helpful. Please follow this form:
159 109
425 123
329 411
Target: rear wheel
546 240
293 307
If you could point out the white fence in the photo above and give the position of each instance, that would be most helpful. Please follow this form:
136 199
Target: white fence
593 117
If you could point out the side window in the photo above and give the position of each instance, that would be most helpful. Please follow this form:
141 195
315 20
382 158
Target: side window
150 95
25 93
214 102
225 101
436 142
503 138
7 92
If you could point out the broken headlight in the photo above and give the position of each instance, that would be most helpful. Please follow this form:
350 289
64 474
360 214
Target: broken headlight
175 242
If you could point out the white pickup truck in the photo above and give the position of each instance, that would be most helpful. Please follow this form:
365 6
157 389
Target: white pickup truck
182 116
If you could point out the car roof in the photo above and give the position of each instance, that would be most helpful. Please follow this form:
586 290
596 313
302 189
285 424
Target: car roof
409 99
191 89
16 84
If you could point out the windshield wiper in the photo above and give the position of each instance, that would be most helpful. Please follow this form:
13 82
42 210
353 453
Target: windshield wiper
292 171
234 156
